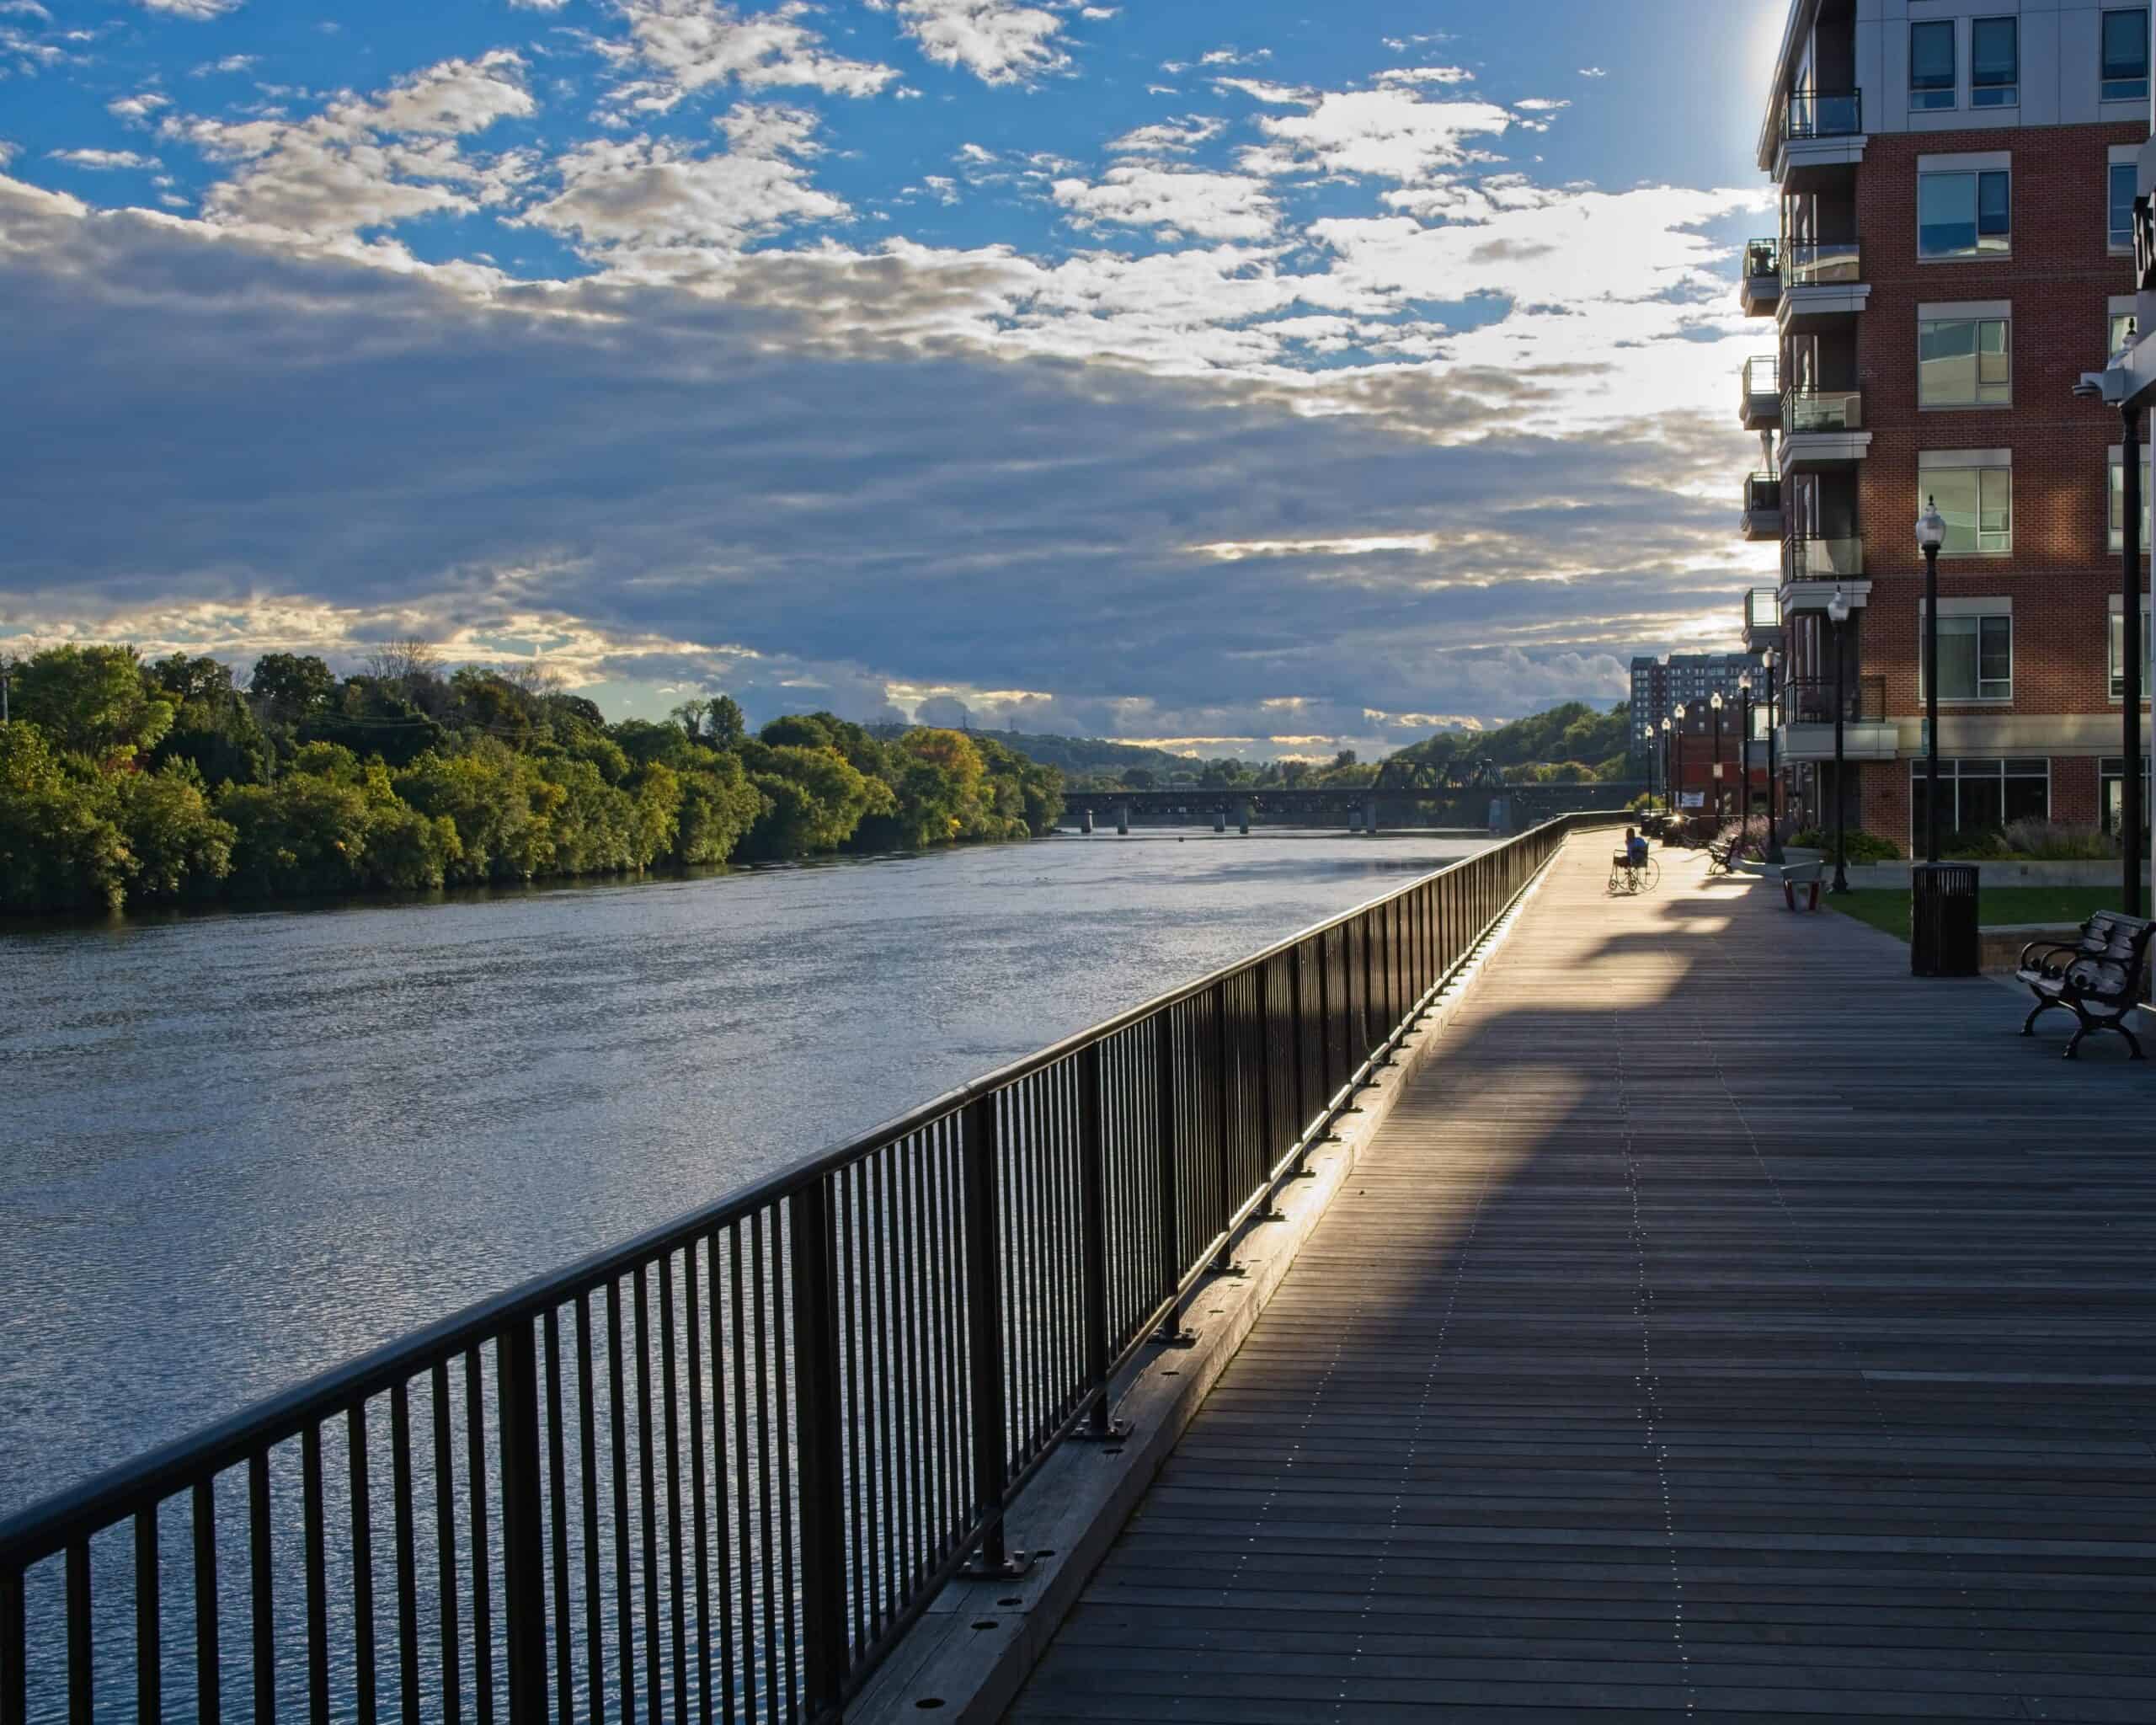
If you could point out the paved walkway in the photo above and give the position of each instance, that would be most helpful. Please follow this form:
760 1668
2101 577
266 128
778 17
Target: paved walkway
1727 1325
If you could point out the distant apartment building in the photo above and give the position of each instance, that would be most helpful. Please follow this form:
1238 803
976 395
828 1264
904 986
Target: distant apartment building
1957 182
1660 686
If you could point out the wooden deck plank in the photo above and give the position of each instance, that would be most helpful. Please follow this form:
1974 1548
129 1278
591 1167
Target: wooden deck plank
1726 1326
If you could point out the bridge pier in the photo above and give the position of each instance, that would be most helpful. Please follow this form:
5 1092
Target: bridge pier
1354 817
1242 817
1122 819
1086 821
1220 817
1371 816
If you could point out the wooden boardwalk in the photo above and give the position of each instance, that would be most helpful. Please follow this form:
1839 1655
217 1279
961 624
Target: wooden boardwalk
1726 1325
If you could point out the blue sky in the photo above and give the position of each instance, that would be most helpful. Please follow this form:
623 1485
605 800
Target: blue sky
1308 382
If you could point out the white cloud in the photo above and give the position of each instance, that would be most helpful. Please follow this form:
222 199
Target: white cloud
1426 75
691 45
1387 134
366 163
999 42
1279 95
1230 57
102 161
1229 206
1592 72
538 5
1540 105
199 10
1168 137
24 8
645 195
7 151
230 63
138 109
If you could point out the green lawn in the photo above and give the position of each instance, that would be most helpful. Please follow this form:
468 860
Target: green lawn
1889 909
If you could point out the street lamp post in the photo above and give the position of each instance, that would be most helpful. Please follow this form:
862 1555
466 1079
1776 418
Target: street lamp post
1679 716
1744 752
1774 786
2130 811
1666 805
1838 613
1714 705
1931 534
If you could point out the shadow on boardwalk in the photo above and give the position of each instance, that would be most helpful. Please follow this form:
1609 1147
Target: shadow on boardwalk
1727 1325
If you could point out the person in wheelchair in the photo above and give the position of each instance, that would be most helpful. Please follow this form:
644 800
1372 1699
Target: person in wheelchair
1632 858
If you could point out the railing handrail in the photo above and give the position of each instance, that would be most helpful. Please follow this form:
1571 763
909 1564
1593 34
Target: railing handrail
42 1529
1863 695
1814 101
1772 363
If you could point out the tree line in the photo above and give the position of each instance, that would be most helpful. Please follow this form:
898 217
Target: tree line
124 782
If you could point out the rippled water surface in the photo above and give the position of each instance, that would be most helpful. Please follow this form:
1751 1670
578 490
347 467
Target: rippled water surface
237 1150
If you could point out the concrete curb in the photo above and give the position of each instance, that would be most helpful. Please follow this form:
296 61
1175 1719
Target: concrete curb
969 1655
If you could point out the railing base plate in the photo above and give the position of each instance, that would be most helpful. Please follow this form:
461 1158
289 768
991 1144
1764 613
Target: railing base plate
1014 1565
1118 1430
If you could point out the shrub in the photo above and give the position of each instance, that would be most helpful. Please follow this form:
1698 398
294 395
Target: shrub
1862 846
2059 841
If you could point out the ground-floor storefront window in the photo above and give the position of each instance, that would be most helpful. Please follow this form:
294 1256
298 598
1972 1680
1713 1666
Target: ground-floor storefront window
1980 796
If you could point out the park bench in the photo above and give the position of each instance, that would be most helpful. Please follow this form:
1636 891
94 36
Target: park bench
2096 978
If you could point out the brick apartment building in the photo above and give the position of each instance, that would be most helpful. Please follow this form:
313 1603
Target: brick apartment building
1956 181
1660 684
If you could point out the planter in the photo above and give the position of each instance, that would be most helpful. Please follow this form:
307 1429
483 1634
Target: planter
1895 876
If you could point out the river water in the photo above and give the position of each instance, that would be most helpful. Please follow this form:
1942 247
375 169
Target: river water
236 1150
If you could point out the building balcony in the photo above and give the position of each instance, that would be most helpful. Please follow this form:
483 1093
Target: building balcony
1761 288
1759 399
1822 280
1807 732
1763 620
1821 137
1763 507
1822 429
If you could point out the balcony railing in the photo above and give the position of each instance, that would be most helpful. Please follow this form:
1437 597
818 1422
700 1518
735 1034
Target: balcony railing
1762 495
1822 114
1820 559
1761 386
1816 410
1762 260
1763 606
1811 700
1822 262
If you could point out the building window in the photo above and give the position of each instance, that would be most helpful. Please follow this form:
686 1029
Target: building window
1994 62
1931 65
1980 797
2125 54
1978 506
2121 206
1963 214
1975 659
2116 653
1964 362
2112 780
2116 534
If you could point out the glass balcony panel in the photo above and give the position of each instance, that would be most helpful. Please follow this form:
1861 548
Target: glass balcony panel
1821 262
1815 114
1814 559
1821 410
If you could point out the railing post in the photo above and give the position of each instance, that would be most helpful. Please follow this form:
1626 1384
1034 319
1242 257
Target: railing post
1296 1023
1093 1242
1172 1330
822 1479
524 1563
1223 1103
984 1345
14 1651
1326 1088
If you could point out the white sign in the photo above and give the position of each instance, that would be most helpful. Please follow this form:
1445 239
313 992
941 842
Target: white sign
1691 799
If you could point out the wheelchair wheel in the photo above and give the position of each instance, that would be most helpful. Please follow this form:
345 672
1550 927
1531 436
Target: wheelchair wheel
1650 876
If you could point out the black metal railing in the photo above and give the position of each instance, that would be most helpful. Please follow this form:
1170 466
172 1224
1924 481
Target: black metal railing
716 1472
1815 114
1762 260
1820 263
1814 409
1811 700
1762 495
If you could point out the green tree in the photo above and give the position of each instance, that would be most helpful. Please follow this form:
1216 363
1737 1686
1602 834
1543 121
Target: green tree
305 834
291 687
725 727
485 792
177 846
718 806
59 847
92 701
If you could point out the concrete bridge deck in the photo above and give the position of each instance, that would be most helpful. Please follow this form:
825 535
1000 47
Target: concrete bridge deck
1726 1325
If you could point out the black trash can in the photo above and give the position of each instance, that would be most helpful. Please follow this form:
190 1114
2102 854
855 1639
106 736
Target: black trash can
1943 919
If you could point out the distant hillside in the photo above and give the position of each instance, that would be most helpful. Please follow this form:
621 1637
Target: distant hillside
1574 732
1076 756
